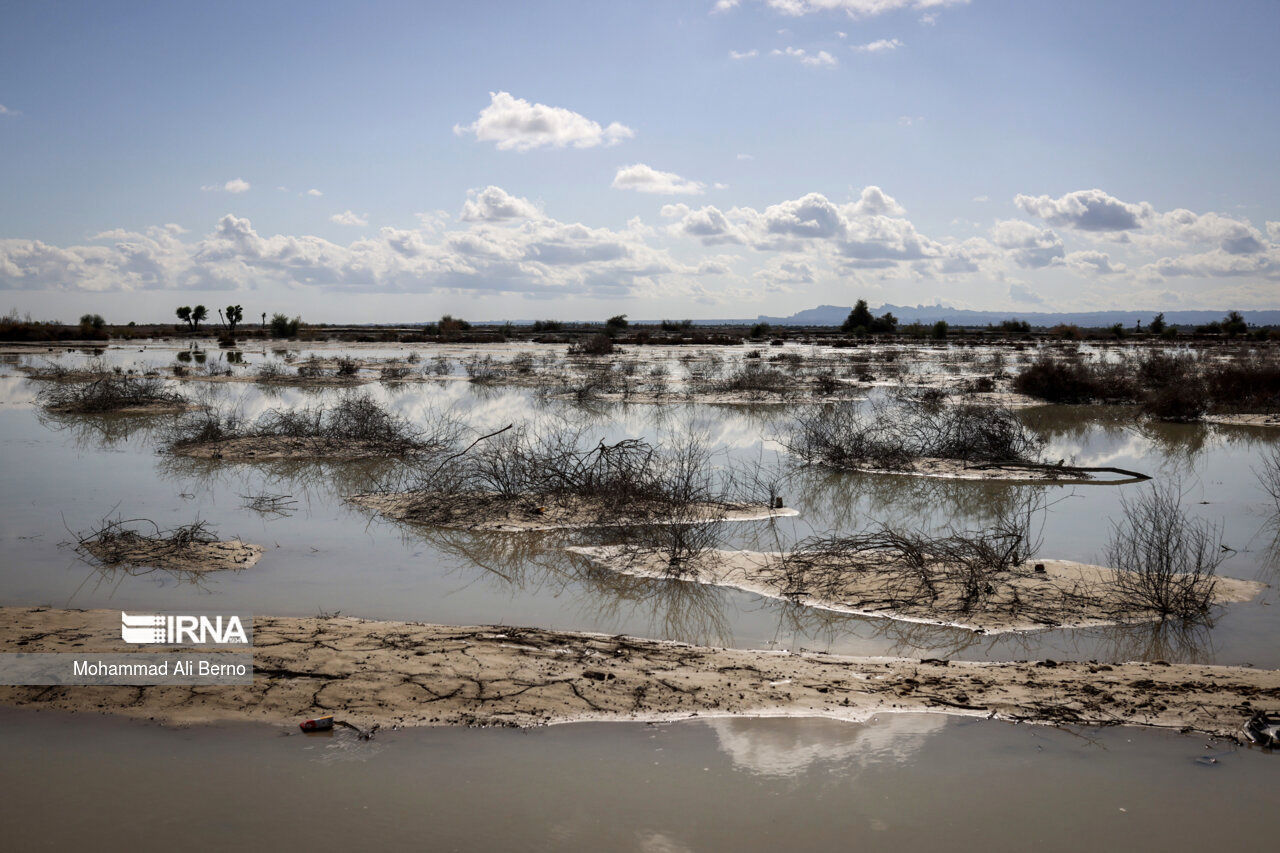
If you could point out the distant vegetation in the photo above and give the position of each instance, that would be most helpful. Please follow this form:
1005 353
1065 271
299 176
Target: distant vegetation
283 327
1169 386
861 322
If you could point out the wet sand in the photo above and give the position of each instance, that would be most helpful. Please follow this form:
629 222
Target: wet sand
409 674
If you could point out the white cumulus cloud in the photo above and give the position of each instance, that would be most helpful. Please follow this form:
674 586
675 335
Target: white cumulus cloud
878 46
234 186
853 8
1086 210
647 179
347 217
821 59
494 204
514 123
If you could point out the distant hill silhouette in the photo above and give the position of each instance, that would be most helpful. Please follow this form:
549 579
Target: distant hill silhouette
834 315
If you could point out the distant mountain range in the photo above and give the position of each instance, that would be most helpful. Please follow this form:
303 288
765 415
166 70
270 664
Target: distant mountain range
834 315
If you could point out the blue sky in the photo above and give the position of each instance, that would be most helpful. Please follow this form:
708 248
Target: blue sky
391 161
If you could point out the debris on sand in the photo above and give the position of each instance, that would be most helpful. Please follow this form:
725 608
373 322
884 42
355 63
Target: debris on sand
1263 730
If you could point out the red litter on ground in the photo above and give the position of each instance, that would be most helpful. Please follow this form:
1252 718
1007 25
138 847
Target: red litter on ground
319 724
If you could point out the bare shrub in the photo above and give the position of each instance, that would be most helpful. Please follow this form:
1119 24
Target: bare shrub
312 368
1166 561
1269 475
661 499
825 383
1059 381
592 379
521 364
355 420
135 540
598 344
483 369
346 366
956 572
111 393
892 435
1182 402
393 373
1247 384
750 378
271 371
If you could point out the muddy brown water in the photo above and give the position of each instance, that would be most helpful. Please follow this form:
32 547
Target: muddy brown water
903 783
899 783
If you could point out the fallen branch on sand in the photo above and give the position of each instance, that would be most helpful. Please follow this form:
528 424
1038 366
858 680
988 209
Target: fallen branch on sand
1064 470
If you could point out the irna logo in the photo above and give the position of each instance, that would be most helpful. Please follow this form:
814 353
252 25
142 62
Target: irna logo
182 630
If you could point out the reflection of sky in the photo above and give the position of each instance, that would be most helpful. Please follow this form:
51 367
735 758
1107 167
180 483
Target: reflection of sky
791 746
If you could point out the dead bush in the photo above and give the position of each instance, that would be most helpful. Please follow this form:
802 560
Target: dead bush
598 344
957 572
356 419
110 393
1166 561
892 435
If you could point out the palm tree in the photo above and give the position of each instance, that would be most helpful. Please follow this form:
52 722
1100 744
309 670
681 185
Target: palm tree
234 315
184 314
197 314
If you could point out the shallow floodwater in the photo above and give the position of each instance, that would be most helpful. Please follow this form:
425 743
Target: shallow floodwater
901 783
63 474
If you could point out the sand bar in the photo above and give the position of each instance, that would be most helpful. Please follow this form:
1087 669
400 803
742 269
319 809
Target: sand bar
1066 594
402 673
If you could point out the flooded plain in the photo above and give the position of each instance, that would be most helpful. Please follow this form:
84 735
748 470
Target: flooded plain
903 781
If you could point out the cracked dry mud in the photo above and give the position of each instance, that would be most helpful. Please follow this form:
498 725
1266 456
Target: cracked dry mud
414 674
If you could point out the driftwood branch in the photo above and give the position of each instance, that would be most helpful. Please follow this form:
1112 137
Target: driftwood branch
1066 469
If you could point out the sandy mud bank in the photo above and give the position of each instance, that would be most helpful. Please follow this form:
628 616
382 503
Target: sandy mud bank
412 674
138 552
1065 594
